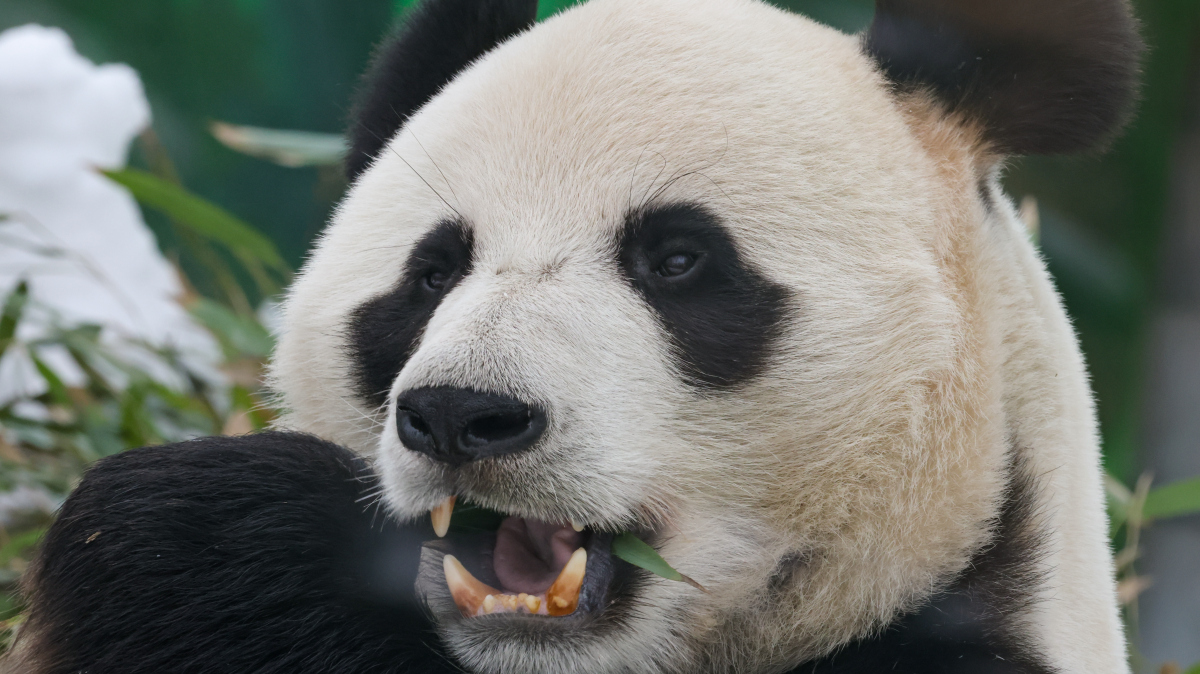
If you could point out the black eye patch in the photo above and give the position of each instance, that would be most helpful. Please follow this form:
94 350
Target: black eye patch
384 332
722 314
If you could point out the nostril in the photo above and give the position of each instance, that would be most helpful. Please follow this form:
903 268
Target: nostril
418 424
414 433
496 428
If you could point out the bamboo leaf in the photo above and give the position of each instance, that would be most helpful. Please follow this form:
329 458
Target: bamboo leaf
293 149
637 552
202 217
58 390
19 544
1119 497
239 335
14 306
1180 498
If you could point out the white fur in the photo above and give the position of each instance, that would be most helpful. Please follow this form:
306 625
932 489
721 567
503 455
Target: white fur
923 333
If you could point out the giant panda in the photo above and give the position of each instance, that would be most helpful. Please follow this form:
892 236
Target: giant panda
699 271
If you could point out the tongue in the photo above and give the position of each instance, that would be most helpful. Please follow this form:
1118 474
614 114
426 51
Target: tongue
529 554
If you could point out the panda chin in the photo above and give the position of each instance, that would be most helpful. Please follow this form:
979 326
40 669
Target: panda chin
527 571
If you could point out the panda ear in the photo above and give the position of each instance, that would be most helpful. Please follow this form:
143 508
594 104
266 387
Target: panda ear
1039 76
437 40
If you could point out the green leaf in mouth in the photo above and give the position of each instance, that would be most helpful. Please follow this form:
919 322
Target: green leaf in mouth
637 552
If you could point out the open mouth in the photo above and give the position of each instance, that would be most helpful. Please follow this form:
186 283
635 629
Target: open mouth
496 564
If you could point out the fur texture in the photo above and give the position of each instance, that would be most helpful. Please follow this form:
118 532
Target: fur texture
968 626
1040 77
834 464
258 554
435 42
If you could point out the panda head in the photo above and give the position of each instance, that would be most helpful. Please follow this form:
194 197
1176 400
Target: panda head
699 270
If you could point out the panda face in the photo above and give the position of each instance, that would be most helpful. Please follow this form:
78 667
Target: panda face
718 285
690 270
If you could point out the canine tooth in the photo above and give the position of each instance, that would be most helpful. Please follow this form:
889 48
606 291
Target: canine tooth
440 514
563 596
489 604
532 603
577 527
469 594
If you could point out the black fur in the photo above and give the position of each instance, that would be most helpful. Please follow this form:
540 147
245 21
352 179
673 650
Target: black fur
1041 76
229 555
968 628
385 331
439 38
723 315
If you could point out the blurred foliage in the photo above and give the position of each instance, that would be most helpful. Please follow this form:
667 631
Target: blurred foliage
47 442
200 224
286 148
1130 512
263 65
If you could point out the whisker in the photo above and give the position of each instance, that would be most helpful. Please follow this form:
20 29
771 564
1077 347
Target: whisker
413 169
439 169
675 178
656 177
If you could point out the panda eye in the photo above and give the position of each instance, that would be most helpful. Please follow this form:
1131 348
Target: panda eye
436 280
676 265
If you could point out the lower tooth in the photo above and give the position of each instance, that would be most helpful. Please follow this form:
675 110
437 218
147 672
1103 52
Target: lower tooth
532 603
563 596
489 603
469 594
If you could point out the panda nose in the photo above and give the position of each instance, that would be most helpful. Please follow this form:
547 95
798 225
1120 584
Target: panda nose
457 425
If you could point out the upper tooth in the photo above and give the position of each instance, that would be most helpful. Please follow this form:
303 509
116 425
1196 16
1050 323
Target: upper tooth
577 527
469 594
563 596
441 516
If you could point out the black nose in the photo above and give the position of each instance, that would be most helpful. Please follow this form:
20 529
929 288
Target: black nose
455 425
